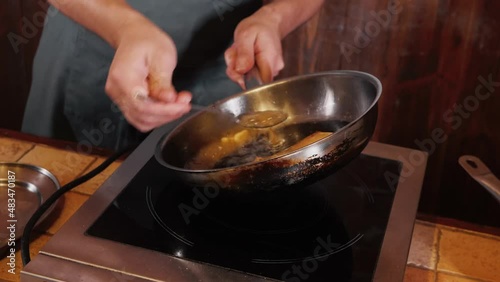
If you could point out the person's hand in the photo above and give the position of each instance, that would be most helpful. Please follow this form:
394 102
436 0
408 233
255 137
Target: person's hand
257 41
142 67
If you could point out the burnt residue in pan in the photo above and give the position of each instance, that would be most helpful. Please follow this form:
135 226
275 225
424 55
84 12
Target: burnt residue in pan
248 146
286 172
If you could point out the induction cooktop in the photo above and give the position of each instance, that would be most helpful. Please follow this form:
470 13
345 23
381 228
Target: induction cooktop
145 225
333 227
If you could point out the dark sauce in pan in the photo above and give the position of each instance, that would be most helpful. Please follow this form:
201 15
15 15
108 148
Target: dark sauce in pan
272 141
258 148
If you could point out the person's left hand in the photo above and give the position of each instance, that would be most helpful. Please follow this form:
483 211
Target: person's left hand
257 41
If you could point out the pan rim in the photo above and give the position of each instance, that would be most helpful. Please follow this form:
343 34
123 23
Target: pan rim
369 77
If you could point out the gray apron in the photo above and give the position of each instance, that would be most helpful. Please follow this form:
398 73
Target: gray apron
67 98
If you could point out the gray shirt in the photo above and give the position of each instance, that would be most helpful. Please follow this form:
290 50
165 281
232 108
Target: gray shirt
67 98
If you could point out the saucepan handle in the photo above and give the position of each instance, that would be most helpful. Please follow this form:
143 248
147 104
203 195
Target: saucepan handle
481 173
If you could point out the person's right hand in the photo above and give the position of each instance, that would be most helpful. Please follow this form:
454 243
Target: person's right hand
142 67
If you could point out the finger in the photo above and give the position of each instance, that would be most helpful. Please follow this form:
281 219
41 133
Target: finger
269 58
236 77
128 108
124 82
139 125
148 114
146 123
230 57
133 119
161 68
184 97
244 44
160 120
265 71
145 113
160 86
155 108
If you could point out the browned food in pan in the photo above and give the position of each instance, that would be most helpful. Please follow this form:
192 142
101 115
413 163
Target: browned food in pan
316 136
247 146
236 148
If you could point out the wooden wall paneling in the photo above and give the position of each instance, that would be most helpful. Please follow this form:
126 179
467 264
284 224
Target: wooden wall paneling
331 26
422 138
479 132
418 51
396 36
21 24
12 72
454 60
428 59
413 78
312 47
356 48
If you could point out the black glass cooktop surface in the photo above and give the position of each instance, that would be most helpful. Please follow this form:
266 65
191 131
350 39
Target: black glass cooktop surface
329 230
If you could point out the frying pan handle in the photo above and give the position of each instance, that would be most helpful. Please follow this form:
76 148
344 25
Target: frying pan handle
481 173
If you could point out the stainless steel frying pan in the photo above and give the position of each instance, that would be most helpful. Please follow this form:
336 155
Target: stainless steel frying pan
341 103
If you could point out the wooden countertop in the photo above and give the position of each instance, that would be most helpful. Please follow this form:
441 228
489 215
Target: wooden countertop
438 252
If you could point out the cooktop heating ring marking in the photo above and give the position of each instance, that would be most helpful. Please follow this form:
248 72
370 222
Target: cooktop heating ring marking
367 191
295 260
157 218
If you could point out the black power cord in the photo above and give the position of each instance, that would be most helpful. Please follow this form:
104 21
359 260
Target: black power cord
25 239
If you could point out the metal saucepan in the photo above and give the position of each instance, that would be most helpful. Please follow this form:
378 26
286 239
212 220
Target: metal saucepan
336 111
481 173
